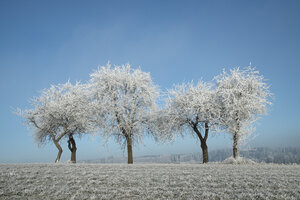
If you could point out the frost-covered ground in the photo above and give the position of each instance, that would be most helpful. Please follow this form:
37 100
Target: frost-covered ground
149 181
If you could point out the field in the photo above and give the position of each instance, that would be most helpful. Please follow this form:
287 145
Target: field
149 181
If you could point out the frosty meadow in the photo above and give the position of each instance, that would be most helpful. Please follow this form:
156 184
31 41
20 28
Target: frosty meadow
151 181
124 103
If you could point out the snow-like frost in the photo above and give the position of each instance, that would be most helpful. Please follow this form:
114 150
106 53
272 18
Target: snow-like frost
151 181
61 111
243 96
123 99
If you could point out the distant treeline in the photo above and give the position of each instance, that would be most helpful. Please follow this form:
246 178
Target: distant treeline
287 155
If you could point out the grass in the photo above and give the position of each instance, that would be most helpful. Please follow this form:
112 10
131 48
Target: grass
149 181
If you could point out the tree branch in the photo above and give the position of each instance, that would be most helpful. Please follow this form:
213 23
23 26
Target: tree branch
206 131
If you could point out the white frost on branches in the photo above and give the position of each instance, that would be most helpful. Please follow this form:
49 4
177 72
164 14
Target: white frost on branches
189 108
243 95
190 105
123 99
59 111
121 102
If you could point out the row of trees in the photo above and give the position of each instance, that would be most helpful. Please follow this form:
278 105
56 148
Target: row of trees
121 102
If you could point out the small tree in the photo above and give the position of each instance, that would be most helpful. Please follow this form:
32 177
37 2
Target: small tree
123 99
60 111
191 108
243 96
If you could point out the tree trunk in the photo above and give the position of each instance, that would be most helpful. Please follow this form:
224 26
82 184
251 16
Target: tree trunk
72 148
235 146
129 149
203 140
59 150
204 151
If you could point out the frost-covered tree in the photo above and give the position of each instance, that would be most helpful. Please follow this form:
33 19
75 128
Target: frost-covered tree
243 95
59 112
189 109
123 99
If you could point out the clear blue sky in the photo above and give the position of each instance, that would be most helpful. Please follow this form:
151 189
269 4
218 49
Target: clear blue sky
50 42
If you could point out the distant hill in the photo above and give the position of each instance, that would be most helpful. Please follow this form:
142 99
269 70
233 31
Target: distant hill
262 154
